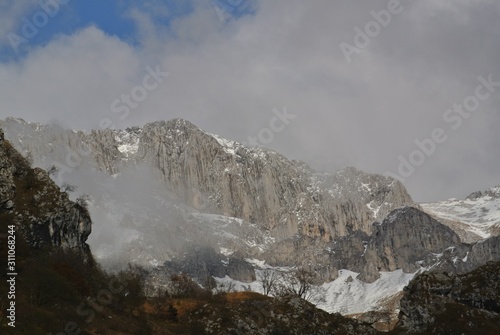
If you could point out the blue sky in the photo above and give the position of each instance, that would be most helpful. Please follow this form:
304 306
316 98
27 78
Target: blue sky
112 17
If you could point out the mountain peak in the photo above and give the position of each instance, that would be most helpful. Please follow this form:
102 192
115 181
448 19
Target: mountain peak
175 124
493 192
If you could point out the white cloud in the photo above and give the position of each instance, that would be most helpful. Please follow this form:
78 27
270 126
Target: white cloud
73 79
228 76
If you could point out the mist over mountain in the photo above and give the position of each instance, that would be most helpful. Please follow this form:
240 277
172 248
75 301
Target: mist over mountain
174 198
209 175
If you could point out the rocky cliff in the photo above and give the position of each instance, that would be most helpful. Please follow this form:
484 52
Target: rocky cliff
404 240
215 175
42 213
263 187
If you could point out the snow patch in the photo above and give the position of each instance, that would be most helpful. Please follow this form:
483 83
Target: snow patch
226 252
375 209
349 295
128 143
228 145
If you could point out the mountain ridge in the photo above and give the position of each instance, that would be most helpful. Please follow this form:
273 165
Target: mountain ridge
159 191
182 153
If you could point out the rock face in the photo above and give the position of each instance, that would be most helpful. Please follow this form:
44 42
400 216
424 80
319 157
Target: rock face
223 177
42 213
263 187
411 240
272 202
484 251
407 239
452 304
7 187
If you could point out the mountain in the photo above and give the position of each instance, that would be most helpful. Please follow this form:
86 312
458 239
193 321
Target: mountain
206 176
205 171
57 287
174 198
475 218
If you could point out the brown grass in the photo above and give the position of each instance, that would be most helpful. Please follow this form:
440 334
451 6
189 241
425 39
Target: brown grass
238 297
187 305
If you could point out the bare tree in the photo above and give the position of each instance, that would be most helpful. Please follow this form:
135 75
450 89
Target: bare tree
225 287
209 283
269 280
68 187
300 283
53 171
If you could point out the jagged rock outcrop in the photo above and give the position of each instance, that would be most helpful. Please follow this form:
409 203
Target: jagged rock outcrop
484 251
7 186
411 240
452 304
406 237
42 213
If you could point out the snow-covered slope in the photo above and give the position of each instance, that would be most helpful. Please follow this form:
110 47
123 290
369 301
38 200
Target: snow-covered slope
349 295
477 217
346 294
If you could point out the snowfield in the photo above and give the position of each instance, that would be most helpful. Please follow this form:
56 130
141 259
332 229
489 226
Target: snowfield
345 295
480 212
